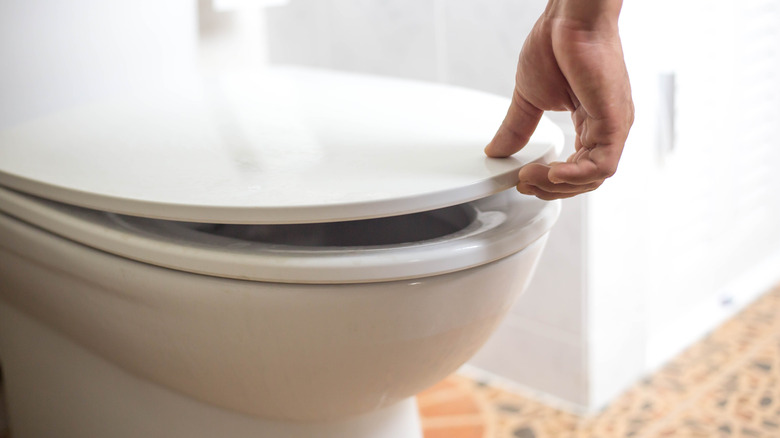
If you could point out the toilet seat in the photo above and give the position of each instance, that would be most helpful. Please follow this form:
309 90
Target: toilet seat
275 147
498 226
139 176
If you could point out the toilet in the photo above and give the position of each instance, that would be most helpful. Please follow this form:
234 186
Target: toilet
292 253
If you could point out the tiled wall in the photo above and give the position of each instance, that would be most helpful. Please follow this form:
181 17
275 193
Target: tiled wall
388 38
474 44
57 54
684 234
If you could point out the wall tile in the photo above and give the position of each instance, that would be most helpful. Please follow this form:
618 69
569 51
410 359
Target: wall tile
388 38
537 357
299 33
483 40
556 294
371 36
58 54
615 364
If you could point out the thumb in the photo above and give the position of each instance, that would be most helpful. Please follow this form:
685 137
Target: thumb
516 129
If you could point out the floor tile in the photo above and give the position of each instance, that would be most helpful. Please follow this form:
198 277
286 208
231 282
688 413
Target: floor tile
726 385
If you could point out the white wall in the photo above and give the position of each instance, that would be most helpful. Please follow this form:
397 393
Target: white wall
728 108
687 233
461 42
57 54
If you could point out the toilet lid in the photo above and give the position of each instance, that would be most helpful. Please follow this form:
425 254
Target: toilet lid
283 146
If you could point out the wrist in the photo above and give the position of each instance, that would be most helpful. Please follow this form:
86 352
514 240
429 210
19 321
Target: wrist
585 14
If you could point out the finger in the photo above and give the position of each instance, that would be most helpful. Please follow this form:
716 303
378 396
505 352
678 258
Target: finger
573 158
586 166
537 175
516 129
578 118
548 196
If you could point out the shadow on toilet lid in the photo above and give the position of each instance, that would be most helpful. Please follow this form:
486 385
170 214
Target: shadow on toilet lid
286 145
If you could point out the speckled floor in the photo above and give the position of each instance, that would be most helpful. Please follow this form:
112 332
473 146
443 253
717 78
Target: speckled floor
727 385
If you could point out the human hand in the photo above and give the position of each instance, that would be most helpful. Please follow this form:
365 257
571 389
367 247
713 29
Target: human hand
571 61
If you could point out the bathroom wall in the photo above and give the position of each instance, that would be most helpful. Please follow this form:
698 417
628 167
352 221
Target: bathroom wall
686 234
727 107
459 42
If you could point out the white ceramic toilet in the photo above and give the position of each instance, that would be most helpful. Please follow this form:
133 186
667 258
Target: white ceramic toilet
289 255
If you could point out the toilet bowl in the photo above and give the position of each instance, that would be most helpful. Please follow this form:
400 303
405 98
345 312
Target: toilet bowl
151 287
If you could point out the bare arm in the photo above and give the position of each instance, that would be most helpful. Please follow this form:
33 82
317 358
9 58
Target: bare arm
571 61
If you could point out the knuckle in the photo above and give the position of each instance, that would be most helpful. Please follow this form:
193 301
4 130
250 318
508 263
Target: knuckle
606 169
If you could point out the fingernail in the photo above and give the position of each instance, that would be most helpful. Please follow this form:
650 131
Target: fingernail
554 179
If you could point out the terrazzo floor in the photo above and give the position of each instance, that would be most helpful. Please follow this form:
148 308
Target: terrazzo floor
727 385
